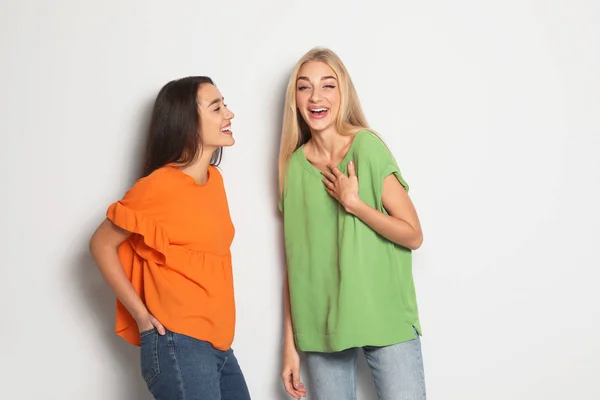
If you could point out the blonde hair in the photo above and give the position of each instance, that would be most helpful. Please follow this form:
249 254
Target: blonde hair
294 131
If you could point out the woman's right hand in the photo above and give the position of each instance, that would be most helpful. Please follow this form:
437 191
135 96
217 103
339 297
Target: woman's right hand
104 245
291 373
147 321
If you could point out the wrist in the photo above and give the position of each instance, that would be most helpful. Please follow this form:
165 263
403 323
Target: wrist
289 345
140 314
354 205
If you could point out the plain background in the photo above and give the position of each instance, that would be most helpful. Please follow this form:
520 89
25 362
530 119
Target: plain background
491 108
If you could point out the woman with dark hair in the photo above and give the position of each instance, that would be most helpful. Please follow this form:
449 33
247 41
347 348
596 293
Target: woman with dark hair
164 248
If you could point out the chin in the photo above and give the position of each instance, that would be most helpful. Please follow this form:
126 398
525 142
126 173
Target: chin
317 125
228 142
320 126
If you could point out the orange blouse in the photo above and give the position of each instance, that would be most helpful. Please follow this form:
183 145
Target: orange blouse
178 257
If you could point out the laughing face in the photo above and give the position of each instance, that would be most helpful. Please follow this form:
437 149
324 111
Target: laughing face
318 96
215 118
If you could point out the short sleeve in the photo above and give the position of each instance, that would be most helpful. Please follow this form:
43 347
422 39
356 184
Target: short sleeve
283 192
137 212
282 195
382 161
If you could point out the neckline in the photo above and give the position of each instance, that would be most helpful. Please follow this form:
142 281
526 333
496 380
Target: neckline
189 178
341 166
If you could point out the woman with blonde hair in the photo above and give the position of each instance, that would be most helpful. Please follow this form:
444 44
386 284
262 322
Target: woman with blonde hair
350 229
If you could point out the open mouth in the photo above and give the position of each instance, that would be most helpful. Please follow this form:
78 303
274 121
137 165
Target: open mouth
226 130
320 112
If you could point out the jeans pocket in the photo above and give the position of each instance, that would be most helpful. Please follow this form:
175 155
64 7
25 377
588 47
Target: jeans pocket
147 332
149 355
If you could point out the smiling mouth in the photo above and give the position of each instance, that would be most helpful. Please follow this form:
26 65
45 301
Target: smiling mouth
318 111
226 129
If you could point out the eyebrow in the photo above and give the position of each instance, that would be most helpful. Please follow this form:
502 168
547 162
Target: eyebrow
304 78
215 101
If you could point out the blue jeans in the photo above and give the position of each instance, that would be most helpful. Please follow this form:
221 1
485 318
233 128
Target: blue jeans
178 367
397 371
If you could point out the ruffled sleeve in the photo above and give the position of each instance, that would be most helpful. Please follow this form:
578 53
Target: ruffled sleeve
140 212
150 241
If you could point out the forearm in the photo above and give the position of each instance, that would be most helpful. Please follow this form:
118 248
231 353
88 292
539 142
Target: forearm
107 260
394 229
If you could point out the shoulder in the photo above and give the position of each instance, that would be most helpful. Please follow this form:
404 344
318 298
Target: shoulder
160 180
151 187
296 159
160 177
370 145
297 153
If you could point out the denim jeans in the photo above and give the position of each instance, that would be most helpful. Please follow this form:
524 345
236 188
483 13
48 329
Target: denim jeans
397 371
178 367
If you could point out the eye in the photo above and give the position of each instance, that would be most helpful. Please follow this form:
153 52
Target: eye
302 88
330 86
218 108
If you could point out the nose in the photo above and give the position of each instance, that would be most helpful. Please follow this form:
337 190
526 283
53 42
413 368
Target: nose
314 96
229 114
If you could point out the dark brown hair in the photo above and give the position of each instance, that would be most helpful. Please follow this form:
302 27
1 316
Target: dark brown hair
174 127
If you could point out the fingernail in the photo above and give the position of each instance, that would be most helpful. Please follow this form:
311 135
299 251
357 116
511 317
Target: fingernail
351 162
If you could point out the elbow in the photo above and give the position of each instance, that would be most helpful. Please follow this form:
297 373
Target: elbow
96 245
93 245
105 241
416 241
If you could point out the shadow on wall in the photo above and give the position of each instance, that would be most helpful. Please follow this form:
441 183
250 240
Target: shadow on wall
278 383
98 299
365 386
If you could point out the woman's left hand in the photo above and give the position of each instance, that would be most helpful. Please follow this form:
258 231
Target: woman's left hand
343 188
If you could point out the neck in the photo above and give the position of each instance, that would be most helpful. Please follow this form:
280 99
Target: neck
199 168
329 142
